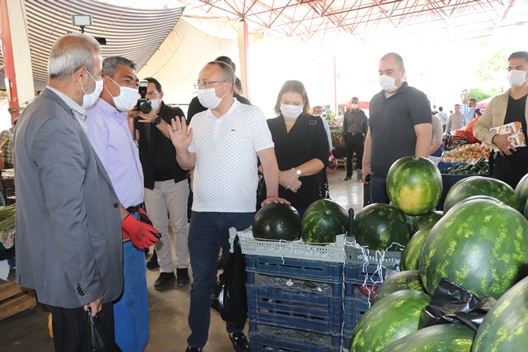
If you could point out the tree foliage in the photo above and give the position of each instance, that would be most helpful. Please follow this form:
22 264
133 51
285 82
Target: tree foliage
480 94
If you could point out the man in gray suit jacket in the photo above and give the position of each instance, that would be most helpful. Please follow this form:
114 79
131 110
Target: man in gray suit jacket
69 235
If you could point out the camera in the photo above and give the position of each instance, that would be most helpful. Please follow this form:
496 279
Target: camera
143 104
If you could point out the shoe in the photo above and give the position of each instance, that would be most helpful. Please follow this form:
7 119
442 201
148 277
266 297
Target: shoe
193 349
239 341
182 277
152 263
164 281
348 178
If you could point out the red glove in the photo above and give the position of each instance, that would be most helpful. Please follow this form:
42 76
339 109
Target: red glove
142 234
143 216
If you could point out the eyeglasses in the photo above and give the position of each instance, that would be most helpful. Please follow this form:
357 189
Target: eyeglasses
205 84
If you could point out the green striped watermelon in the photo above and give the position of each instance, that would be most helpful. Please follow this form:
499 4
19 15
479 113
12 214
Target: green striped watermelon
322 221
390 319
414 185
378 225
437 338
481 245
416 222
277 221
403 280
411 254
504 327
480 185
521 190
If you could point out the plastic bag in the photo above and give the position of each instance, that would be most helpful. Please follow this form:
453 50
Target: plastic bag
97 338
332 162
454 304
229 297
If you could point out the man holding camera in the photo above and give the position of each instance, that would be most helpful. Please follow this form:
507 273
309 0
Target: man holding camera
109 132
166 186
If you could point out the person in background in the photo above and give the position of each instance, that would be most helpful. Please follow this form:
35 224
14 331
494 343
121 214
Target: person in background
6 140
355 127
301 147
318 111
111 137
510 163
455 121
434 110
443 117
238 87
472 105
399 125
436 149
166 187
195 106
223 144
68 224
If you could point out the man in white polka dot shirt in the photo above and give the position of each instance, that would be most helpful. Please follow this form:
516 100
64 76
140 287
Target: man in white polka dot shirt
223 145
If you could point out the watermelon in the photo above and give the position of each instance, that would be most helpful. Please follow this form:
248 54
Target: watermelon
481 245
416 222
521 190
277 221
403 280
504 326
391 318
411 254
379 225
414 185
480 185
322 221
437 338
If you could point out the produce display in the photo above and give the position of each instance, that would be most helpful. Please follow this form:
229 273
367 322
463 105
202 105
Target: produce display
411 254
521 190
390 319
418 221
7 227
378 226
479 185
403 280
277 221
504 326
437 338
467 153
322 221
414 185
480 167
481 245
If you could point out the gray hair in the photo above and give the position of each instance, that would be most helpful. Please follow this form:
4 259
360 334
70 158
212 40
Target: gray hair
110 65
71 52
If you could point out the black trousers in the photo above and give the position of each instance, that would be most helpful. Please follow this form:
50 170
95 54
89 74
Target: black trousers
354 143
509 170
70 325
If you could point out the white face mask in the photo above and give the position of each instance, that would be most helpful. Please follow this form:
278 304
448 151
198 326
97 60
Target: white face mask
355 106
387 83
516 78
89 99
126 99
155 104
291 111
208 98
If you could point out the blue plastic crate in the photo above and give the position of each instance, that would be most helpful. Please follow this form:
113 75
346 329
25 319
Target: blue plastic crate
294 268
306 310
266 338
369 275
354 307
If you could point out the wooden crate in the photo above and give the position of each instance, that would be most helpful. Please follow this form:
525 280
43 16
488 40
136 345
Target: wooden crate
15 299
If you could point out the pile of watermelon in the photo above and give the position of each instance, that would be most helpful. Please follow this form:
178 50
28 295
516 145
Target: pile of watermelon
481 244
323 220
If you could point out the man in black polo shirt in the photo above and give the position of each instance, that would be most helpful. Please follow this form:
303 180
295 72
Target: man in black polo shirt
355 126
166 186
399 125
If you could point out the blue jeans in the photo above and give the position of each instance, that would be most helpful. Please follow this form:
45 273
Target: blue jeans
208 232
378 192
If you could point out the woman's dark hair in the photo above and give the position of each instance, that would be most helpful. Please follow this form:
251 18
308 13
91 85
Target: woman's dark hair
295 87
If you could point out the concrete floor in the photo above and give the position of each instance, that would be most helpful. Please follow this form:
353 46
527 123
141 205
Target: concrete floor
28 332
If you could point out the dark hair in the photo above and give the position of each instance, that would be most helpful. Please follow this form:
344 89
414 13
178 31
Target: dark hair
440 108
473 100
519 54
397 57
227 72
110 64
238 83
227 60
155 82
295 87
457 105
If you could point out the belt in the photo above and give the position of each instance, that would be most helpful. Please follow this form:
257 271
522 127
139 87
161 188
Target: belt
353 133
132 209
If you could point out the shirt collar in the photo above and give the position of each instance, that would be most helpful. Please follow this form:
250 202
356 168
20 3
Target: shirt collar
69 101
108 109
229 112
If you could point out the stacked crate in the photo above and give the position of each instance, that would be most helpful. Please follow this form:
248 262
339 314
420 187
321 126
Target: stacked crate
364 271
295 295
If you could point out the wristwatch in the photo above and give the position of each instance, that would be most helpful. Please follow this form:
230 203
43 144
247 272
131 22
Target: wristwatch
157 121
298 172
